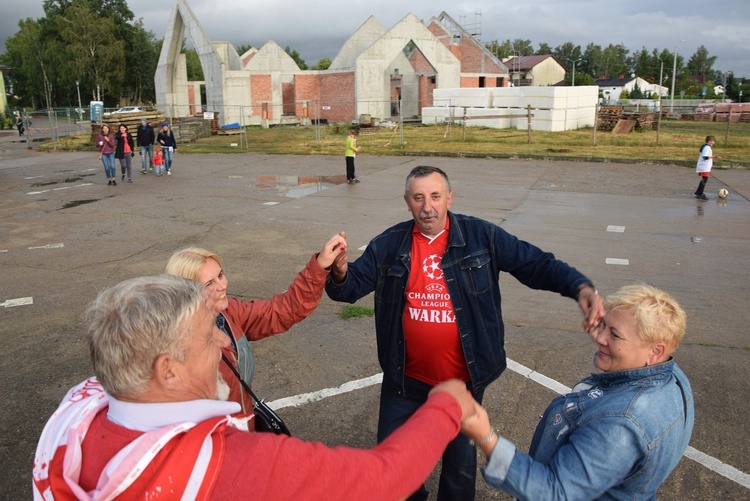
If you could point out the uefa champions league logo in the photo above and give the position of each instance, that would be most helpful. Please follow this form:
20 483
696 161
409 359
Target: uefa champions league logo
431 267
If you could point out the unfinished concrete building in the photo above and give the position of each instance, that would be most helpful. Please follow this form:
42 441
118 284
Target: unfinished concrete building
378 73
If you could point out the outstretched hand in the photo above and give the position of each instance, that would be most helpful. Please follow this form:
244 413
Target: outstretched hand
592 307
340 263
332 249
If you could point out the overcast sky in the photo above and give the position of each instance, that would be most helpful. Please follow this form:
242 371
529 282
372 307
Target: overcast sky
320 31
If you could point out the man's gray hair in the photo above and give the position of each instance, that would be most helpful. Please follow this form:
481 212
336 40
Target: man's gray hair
425 170
132 323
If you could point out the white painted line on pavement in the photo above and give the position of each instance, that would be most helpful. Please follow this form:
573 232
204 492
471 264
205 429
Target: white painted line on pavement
537 377
719 467
21 301
616 229
307 398
615 260
48 246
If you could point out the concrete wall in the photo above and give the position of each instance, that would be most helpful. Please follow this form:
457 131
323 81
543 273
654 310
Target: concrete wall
372 79
553 108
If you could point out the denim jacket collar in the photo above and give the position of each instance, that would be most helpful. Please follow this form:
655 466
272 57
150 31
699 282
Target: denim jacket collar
652 375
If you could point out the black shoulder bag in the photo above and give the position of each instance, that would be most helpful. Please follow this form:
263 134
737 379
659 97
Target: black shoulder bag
266 420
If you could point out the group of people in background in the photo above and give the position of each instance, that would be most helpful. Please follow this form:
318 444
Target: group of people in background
156 150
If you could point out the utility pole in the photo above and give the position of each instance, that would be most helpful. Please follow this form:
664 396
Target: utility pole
573 82
80 110
674 76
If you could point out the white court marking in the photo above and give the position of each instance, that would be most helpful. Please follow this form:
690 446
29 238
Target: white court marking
20 301
48 246
615 260
699 457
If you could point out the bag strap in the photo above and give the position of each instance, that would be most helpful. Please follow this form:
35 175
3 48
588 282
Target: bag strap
239 378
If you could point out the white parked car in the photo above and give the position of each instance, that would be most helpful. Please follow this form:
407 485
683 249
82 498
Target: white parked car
126 109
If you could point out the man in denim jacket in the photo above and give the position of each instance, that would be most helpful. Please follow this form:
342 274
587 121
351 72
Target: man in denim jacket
619 433
436 292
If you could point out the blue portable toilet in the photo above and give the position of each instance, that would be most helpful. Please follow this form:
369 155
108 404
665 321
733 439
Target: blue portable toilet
97 110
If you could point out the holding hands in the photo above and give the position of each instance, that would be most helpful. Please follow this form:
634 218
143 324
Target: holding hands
332 251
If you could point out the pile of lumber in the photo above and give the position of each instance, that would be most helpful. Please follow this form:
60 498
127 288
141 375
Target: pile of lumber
608 117
187 130
133 120
643 120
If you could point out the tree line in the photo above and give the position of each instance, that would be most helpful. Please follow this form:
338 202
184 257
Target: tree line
615 61
98 48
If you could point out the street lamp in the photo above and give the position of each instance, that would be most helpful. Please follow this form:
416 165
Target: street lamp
80 110
674 76
573 81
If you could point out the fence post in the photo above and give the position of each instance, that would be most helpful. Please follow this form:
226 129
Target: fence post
729 121
596 120
528 121
464 125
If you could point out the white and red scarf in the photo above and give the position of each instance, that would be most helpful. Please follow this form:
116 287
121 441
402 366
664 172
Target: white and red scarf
189 471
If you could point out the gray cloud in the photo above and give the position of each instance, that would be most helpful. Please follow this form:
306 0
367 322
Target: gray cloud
319 29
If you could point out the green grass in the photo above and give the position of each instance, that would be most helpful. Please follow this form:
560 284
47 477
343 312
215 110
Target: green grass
678 142
356 312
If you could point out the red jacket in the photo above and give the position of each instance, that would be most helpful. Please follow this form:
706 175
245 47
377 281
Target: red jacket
266 317
276 467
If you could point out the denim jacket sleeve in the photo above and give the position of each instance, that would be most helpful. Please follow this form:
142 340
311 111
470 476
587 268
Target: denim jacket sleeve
359 281
536 268
595 458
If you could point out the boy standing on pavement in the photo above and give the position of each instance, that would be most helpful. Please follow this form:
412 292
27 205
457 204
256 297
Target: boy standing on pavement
703 168
351 151
145 138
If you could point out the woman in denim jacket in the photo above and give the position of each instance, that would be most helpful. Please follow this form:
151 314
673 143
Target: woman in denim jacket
619 433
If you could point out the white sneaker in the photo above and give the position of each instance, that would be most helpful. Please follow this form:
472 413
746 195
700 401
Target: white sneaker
169 173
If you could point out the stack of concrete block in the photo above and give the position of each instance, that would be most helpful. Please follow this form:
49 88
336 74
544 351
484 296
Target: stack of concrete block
553 108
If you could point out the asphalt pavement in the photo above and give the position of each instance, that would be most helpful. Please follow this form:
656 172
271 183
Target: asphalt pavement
65 235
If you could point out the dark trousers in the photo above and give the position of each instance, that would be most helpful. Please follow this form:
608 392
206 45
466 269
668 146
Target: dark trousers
349 168
459 473
701 185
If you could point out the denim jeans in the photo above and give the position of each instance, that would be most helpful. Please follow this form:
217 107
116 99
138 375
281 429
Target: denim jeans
168 152
458 476
147 151
108 160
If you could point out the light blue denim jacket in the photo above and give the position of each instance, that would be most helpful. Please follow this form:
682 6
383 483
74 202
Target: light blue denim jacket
618 435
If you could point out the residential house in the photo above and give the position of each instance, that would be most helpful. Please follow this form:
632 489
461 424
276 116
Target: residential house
539 71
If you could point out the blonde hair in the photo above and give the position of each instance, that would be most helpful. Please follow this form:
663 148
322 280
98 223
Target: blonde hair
187 263
658 316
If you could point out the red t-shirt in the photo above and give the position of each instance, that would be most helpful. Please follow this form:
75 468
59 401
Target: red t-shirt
433 346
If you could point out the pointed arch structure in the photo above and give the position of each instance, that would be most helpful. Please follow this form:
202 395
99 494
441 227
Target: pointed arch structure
225 80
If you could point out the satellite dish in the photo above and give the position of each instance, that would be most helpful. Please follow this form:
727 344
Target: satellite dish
632 75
